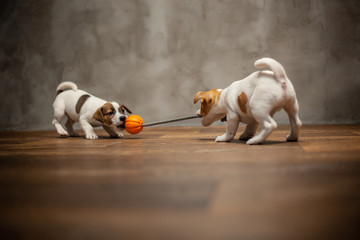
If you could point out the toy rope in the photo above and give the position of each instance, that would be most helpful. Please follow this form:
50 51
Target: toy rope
171 120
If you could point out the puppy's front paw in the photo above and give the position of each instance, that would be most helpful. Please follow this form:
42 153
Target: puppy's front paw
253 141
117 135
222 138
91 136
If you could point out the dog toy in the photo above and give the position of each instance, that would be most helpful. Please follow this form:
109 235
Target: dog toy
134 123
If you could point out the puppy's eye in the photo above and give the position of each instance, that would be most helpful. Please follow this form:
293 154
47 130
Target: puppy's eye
110 113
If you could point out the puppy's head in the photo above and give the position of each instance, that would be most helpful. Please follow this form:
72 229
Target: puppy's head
112 114
209 102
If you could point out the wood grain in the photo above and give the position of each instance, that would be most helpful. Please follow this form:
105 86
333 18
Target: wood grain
177 183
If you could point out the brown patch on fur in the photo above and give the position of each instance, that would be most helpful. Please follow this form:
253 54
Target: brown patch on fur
105 113
62 90
124 108
81 102
242 101
59 91
208 99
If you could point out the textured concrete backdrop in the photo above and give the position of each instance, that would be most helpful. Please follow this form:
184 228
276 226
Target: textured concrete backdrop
154 55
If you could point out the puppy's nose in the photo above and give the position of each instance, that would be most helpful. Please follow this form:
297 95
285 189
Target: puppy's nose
123 118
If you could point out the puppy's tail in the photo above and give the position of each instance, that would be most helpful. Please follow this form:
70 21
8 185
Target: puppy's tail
65 85
275 66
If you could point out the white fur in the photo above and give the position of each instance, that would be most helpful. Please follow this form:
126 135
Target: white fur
267 93
65 103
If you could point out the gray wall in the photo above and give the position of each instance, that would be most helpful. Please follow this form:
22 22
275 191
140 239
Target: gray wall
154 55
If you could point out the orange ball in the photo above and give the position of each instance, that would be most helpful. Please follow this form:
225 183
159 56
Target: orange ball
133 124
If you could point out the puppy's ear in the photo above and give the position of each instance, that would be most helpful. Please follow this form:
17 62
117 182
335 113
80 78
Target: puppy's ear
198 96
124 108
98 115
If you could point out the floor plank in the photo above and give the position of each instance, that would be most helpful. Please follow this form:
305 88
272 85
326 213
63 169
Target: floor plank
177 183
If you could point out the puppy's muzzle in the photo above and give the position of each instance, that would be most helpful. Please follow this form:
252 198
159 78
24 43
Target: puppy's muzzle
122 125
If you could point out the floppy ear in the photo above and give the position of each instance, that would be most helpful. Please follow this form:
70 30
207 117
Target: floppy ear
198 96
98 115
123 108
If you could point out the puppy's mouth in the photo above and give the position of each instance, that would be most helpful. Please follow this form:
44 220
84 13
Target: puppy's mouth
121 126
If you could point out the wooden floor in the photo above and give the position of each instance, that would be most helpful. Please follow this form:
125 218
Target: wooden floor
177 183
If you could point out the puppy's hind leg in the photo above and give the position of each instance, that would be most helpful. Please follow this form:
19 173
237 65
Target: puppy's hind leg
268 125
292 110
69 126
112 132
249 131
58 114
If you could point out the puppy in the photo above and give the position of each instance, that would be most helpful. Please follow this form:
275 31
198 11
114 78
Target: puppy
252 100
89 111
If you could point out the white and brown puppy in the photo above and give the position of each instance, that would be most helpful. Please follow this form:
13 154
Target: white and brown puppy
89 111
252 100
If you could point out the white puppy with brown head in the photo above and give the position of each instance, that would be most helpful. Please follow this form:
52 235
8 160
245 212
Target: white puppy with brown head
89 111
252 100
